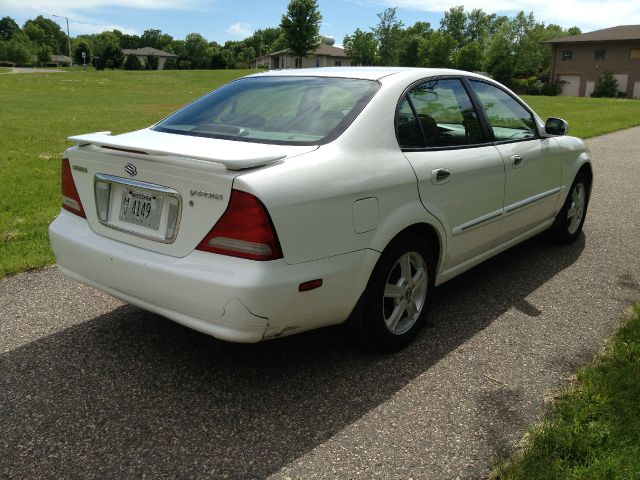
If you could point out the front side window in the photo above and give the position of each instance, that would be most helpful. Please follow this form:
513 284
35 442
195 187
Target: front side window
508 118
281 110
445 114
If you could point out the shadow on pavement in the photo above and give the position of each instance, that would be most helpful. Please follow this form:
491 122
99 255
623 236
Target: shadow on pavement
130 393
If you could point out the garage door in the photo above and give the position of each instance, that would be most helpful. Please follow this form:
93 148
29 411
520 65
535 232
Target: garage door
570 85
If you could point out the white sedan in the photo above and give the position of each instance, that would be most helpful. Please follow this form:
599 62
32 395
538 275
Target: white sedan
291 200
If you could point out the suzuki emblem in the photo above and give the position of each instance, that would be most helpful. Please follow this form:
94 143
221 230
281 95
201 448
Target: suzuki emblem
131 169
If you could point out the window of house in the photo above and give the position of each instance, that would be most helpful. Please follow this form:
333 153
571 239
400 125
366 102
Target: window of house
338 63
317 62
567 55
599 54
298 63
634 54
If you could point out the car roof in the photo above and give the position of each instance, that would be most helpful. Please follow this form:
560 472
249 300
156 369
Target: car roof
366 73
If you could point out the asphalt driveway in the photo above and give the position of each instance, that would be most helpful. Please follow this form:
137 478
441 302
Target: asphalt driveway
93 388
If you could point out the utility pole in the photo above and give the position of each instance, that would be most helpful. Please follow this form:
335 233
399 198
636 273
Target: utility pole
68 37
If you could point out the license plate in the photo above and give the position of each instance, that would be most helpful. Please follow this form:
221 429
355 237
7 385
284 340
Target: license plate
141 208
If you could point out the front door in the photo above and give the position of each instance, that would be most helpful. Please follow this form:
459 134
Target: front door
460 173
532 169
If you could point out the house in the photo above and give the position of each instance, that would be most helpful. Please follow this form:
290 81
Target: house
143 53
579 60
59 61
56 61
327 55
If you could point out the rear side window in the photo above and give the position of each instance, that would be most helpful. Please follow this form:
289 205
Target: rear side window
508 118
281 110
445 116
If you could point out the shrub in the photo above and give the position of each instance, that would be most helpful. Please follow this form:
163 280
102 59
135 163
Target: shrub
152 62
98 63
607 87
170 64
528 86
184 64
550 89
132 63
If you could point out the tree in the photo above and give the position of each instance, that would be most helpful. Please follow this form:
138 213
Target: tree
132 63
500 58
129 41
105 40
411 41
361 47
454 24
301 27
17 52
177 47
82 46
44 54
156 39
438 52
196 48
112 57
8 28
387 33
470 57
49 33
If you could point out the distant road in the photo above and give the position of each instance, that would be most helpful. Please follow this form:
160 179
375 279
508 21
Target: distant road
36 70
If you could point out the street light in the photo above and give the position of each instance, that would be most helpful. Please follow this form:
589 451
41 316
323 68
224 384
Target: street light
68 37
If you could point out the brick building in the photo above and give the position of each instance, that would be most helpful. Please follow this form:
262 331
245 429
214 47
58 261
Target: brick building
580 60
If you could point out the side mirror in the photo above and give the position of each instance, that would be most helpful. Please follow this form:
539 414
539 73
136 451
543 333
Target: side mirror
556 126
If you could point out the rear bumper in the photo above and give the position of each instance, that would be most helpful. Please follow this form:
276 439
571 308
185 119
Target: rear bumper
229 298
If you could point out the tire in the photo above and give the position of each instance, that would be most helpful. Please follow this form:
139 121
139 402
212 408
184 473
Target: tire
398 295
568 223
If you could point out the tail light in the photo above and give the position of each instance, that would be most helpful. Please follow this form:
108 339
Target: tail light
245 230
70 198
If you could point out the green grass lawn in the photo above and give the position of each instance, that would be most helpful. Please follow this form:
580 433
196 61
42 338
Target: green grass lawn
588 117
593 432
40 110
5 69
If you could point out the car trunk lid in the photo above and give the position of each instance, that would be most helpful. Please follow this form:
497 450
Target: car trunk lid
161 191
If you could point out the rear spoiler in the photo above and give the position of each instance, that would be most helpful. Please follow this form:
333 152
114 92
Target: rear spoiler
106 140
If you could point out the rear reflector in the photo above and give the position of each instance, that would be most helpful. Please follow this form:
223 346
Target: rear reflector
310 285
245 230
70 198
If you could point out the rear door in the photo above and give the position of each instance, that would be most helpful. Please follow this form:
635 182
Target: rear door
532 167
460 173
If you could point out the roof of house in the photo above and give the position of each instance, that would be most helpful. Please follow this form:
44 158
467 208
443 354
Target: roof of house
60 58
613 34
146 51
323 49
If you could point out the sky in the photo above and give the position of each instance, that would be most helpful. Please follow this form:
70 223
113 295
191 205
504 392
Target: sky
223 20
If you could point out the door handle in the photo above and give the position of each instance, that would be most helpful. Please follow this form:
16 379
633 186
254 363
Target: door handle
440 176
517 160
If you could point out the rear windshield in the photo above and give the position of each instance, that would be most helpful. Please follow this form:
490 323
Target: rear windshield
280 110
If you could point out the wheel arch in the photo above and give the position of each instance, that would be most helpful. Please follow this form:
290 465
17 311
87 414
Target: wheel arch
426 231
